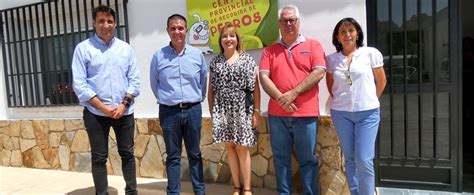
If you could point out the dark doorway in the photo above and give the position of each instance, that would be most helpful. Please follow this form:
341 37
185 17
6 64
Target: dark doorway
468 97
419 137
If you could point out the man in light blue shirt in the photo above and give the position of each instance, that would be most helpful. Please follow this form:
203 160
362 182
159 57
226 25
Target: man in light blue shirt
178 78
105 79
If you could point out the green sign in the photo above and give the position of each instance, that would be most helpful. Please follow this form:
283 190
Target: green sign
255 20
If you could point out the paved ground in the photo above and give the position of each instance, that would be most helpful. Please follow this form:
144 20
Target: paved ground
51 182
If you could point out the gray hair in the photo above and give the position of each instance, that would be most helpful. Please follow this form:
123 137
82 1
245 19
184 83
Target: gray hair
289 7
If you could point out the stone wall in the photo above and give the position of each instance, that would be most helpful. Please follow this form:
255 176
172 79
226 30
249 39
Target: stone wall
63 144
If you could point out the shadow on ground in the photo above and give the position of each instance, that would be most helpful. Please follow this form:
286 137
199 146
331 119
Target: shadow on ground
91 190
159 188
186 188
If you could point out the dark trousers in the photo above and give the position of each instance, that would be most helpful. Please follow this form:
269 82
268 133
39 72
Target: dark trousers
98 128
178 125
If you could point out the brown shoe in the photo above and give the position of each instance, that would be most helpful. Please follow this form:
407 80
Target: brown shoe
237 189
247 190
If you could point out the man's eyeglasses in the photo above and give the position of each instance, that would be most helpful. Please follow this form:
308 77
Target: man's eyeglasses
347 74
292 21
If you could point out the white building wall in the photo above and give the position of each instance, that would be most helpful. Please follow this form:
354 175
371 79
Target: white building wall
147 23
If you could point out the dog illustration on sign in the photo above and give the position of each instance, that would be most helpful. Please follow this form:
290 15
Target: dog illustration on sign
199 35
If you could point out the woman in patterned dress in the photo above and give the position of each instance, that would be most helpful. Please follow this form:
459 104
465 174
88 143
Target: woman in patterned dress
232 74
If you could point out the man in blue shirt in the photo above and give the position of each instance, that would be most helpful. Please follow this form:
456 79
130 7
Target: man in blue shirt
106 80
178 77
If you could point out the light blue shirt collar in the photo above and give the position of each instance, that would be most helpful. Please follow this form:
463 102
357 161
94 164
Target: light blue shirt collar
99 40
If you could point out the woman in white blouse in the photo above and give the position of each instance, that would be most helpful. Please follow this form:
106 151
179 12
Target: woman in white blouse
355 79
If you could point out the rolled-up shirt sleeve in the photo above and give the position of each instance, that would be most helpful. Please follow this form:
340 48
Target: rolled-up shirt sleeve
133 76
79 73
204 71
154 81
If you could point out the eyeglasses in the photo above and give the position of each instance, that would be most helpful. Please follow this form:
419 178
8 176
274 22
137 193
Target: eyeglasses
292 21
347 74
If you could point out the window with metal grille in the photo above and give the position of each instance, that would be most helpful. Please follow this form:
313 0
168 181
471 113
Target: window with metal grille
37 45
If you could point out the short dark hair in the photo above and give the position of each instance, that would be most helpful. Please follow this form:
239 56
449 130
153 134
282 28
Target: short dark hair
102 8
176 16
360 34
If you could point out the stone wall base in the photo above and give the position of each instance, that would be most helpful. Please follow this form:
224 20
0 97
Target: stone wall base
63 145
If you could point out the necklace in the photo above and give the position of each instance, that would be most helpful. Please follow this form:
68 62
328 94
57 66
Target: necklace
347 73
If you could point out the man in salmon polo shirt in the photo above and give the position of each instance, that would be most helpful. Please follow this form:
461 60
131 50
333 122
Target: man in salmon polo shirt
290 71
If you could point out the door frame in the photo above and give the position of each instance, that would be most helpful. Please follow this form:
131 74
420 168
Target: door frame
455 109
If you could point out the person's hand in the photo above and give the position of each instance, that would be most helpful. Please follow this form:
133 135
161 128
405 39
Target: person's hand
291 107
255 119
119 111
108 110
287 98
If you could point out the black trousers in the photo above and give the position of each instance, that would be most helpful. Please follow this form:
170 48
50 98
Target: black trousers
98 128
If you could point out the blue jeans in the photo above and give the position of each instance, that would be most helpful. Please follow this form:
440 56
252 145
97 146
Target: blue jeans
182 124
357 132
98 128
300 131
